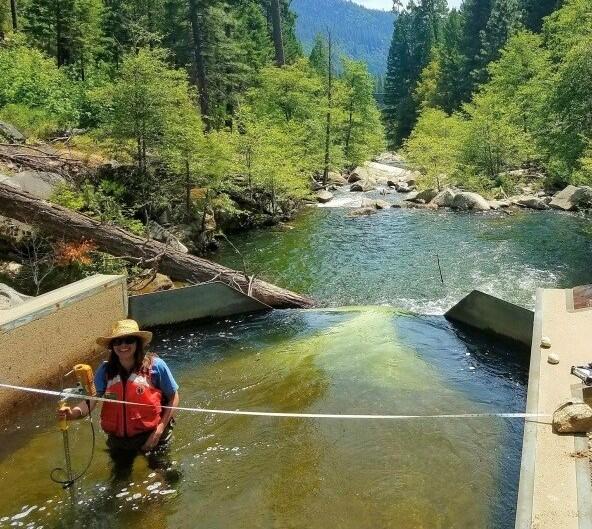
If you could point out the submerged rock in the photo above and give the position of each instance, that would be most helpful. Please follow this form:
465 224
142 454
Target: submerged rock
362 212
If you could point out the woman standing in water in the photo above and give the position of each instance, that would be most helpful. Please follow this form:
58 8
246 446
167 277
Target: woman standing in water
145 384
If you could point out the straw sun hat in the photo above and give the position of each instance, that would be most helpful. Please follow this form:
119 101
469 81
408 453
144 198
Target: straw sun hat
125 328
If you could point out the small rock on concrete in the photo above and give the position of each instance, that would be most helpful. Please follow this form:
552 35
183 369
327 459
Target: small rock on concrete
573 417
553 358
546 342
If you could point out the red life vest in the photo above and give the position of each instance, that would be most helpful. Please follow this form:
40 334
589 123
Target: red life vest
127 420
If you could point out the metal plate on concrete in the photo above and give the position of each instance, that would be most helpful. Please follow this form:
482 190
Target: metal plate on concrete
493 315
209 300
579 298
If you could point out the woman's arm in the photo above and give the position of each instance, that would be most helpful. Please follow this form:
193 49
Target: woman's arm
82 409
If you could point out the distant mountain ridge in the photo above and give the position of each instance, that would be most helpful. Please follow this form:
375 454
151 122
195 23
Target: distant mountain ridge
358 32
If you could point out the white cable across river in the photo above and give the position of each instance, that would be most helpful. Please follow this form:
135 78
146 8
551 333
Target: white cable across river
66 395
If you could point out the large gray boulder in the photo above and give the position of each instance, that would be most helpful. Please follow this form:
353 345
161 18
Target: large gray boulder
444 199
573 417
465 201
376 204
336 179
531 202
10 298
11 133
572 198
40 184
324 196
427 195
363 186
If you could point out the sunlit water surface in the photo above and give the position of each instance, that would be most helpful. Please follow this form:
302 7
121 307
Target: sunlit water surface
318 473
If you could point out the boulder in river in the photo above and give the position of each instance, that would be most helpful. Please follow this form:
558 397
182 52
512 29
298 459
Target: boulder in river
531 202
465 201
324 196
411 196
336 179
427 195
363 186
572 198
444 199
376 204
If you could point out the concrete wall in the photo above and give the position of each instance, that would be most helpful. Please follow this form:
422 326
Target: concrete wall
51 333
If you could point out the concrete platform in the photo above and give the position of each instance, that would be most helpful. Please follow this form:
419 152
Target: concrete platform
555 479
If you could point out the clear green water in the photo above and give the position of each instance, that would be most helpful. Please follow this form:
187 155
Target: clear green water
390 257
271 472
307 474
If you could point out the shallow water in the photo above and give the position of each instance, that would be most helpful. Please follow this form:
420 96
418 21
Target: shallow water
391 257
274 472
317 473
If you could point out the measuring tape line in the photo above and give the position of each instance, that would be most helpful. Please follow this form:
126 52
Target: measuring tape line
65 395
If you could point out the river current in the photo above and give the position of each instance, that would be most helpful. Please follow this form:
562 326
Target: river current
380 346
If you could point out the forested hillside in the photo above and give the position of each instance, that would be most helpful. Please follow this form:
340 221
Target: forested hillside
360 33
209 109
496 86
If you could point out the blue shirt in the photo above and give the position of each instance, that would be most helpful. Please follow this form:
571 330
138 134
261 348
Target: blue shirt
161 376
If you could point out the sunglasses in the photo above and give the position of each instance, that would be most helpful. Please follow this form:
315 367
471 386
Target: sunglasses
126 340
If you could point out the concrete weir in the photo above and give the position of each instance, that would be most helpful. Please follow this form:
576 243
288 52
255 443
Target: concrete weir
555 477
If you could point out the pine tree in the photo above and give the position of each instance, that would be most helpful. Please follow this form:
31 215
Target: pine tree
318 57
504 21
536 10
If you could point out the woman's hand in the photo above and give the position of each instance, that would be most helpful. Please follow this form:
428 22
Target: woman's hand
154 438
68 413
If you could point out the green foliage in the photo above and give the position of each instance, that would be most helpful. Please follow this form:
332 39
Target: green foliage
434 147
361 129
32 80
35 123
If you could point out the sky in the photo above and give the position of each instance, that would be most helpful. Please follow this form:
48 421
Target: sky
388 4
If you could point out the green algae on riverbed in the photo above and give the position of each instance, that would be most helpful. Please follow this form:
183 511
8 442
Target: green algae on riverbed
302 473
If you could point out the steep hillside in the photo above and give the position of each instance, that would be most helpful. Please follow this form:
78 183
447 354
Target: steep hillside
359 33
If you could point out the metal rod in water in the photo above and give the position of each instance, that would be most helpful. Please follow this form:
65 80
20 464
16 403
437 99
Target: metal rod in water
439 268
69 474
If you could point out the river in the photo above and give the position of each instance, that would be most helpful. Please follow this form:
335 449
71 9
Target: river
380 346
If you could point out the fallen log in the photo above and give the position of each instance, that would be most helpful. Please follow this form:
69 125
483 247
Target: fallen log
60 222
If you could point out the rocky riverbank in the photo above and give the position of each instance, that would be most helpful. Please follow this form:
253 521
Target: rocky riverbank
389 176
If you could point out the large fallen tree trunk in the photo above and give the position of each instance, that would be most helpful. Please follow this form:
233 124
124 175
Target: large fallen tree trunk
60 222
